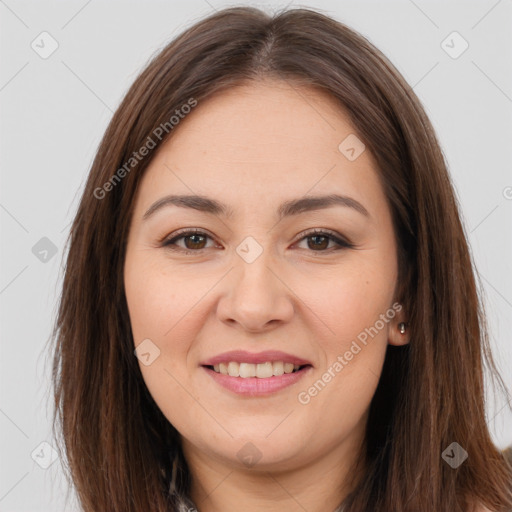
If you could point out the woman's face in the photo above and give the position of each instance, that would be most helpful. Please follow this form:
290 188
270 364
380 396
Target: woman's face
256 279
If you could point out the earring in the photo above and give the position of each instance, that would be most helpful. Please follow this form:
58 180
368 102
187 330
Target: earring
401 327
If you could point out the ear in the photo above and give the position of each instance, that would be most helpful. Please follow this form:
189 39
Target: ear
395 336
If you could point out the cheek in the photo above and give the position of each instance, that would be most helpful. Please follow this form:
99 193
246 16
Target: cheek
161 309
353 300
158 301
341 390
357 307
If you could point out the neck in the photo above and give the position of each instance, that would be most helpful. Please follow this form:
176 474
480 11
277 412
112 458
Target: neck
318 485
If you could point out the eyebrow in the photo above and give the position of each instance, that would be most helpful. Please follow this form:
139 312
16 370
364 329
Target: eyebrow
286 209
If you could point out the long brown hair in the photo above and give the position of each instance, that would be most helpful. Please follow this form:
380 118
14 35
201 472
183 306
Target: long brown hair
431 392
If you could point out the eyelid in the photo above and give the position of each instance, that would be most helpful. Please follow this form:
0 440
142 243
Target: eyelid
183 232
166 242
341 241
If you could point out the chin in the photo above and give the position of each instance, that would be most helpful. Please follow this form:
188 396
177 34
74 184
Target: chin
256 448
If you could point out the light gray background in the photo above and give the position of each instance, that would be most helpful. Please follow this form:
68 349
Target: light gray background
55 110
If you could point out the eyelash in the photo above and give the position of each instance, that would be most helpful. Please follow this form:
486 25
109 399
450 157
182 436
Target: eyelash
343 244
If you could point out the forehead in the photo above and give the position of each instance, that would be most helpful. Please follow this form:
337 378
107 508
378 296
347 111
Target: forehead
263 140
262 117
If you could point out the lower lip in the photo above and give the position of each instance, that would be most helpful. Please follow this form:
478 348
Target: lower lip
253 386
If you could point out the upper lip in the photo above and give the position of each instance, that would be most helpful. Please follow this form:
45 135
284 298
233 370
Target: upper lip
242 356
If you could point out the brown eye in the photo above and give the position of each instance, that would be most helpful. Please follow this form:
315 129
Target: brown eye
194 241
318 241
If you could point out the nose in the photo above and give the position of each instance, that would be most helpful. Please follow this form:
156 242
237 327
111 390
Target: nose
255 297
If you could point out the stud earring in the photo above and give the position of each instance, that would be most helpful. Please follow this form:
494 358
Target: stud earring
401 327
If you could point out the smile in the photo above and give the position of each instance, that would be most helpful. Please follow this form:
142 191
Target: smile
260 371
265 382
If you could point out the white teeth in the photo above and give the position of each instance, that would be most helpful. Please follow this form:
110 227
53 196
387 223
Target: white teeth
233 369
264 370
278 368
260 370
247 370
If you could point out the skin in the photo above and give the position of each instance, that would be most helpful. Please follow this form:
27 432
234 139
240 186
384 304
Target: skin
253 147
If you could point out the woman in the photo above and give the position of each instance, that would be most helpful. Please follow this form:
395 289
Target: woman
269 301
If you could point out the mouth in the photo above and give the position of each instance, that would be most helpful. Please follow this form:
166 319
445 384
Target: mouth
265 370
256 380
252 374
